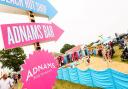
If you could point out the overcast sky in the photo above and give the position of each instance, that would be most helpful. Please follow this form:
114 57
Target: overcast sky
82 20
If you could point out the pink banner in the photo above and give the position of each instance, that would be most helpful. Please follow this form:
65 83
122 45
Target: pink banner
17 35
39 71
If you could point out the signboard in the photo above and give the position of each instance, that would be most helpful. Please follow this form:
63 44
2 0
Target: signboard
21 34
37 6
39 71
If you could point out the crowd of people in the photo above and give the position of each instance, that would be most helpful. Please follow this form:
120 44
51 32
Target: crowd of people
123 43
105 50
10 82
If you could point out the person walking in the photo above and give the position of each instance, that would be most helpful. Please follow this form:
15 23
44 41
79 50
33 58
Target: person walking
88 60
20 85
15 76
109 54
6 83
104 53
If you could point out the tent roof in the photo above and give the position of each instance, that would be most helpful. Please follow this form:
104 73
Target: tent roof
74 49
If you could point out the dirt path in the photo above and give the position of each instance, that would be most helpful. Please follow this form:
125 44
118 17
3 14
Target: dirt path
98 63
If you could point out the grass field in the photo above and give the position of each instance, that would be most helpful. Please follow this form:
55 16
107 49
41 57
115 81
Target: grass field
60 84
117 54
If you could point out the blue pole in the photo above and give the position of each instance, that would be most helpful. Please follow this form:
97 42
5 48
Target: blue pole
91 77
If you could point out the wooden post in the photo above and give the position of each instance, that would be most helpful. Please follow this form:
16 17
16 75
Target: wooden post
32 19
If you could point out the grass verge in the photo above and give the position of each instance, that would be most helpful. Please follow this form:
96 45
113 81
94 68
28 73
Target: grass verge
60 84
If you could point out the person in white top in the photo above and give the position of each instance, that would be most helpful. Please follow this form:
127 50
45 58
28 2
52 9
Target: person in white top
6 83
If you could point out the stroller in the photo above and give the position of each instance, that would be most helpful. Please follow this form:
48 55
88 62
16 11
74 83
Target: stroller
124 56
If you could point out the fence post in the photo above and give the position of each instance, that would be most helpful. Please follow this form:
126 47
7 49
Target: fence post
78 75
91 77
69 74
113 80
62 74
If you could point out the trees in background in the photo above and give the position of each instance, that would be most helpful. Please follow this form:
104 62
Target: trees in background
66 47
12 58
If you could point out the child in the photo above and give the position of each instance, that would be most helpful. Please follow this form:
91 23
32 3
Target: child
88 59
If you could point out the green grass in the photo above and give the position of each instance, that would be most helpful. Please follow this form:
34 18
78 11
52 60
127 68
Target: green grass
117 54
60 84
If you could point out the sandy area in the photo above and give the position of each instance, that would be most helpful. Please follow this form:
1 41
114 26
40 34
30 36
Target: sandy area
98 63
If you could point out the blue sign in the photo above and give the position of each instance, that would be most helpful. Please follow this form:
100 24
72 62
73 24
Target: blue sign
37 6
